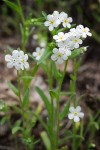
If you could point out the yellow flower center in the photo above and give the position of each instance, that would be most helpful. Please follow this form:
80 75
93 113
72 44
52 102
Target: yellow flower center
59 55
75 113
84 30
23 60
65 21
75 40
60 37
52 22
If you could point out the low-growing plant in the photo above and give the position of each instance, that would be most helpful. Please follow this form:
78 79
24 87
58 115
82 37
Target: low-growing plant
66 40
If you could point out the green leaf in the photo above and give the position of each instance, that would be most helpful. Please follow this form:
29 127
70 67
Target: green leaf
76 52
26 98
56 73
65 111
27 77
12 6
44 14
53 94
46 140
16 129
13 88
3 120
45 99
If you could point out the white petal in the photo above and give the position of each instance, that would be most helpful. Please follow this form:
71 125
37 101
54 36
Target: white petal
76 45
81 114
76 119
71 109
65 57
26 57
46 23
15 53
55 37
60 61
61 34
55 51
38 49
54 57
10 64
26 65
70 115
51 28
69 19
34 54
64 24
78 108
38 57
89 34
49 17
8 58
80 41
68 25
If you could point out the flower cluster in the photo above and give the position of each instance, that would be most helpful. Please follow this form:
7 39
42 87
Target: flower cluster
39 52
18 60
66 42
75 113
56 18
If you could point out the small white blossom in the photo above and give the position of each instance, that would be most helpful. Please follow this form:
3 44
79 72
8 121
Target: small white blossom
23 60
67 44
66 21
39 52
51 22
60 37
17 60
84 31
13 60
57 15
74 32
76 41
75 113
60 55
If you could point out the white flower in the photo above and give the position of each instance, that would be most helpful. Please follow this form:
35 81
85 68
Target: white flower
17 60
84 31
23 60
67 44
66 21
75 113
57 15
39 52
60 37
51 22
60 55
76 41
13 60
74 32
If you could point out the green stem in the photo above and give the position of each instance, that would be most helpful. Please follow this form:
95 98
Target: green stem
19 94
74 137
58 106
21 12
24 35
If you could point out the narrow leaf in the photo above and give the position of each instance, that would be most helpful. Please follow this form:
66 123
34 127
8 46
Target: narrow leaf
12 6
44 98
46 140
26 98
65 111
13 88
